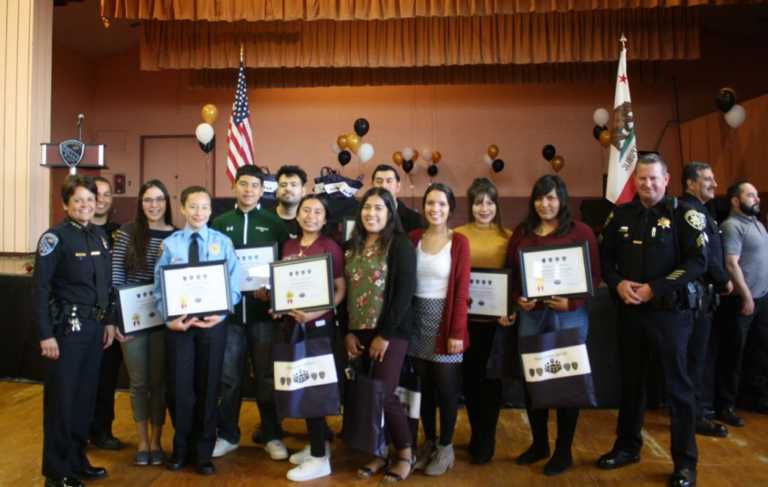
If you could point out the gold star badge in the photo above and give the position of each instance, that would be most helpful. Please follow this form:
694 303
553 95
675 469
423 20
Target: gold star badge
664 222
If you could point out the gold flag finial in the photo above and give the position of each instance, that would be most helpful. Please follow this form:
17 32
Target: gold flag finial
623 41
242 52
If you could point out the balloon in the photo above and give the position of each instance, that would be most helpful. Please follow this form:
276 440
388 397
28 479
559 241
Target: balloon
361 127
548 152
407 165
209 146
344 157
415 154
497 165
204 133
335 148
209 113
365 152
432 170
735 116
725 99
493 151
601 117
407 153
487 159
397 158
596 131
353 142
605 138
341 141
557 163
436 157
426 154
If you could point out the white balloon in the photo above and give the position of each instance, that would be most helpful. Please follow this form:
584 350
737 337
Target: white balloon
487 159
365 152
335 148
601 117
407 153
204 133
735 116
426 154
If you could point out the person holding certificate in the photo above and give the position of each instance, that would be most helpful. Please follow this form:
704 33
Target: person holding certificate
135 252
440 326
313 461
549 223
488 241
380 270
195 345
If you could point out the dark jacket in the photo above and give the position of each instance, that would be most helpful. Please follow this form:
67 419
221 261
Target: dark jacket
410 219
716 272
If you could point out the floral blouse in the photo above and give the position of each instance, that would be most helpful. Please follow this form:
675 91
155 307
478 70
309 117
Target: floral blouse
366 275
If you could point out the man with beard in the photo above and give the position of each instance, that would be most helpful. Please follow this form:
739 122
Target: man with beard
290 190
746 259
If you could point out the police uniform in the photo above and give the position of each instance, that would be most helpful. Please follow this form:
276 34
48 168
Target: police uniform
71 296
195 356
664 247
714 281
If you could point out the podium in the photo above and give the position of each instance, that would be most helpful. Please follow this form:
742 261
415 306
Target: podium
92 157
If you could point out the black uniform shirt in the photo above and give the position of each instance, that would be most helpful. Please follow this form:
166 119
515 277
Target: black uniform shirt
72 266
715 257
410 219
639 243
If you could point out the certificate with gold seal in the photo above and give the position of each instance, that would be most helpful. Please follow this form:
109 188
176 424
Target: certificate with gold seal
561 270
137 309
195 289
304 284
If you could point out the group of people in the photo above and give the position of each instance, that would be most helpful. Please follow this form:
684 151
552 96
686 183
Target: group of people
401 289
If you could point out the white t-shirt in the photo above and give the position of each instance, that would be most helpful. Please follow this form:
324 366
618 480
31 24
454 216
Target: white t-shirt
433 272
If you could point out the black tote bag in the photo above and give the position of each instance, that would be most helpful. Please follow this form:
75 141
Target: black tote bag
363 420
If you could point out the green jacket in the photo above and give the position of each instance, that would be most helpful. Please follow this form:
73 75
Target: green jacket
246 229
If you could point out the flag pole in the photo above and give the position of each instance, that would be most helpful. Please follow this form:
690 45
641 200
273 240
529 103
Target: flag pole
242 52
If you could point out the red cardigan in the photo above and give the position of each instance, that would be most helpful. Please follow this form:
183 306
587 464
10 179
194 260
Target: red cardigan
454 323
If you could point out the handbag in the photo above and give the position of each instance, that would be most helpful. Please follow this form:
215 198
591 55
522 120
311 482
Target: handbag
306 383
556 366
502 362
336 186
408 392
363 420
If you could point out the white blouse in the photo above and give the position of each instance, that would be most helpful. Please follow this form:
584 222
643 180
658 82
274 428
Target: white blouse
433 272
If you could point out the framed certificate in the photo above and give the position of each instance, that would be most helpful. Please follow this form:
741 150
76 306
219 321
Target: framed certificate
136 305
196 290
254 261
348 225
304 284
562 270
489 292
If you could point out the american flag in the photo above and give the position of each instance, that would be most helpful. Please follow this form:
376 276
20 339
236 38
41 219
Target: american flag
239 136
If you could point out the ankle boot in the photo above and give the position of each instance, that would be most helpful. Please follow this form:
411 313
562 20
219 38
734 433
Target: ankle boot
442 461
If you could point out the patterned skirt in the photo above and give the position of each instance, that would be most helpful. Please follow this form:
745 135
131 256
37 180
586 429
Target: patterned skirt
428 315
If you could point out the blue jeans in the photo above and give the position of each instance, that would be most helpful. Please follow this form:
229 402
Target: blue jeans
529 322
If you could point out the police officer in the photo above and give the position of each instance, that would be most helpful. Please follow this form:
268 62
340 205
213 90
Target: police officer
652 248
71 296
699 187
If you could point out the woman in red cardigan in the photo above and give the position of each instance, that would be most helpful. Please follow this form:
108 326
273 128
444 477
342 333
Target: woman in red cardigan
440 326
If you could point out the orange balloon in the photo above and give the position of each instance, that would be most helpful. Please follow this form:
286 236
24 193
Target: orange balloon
397 158
415 155
436 156
353 141
605 138
341 141
557 163
493 151
209 113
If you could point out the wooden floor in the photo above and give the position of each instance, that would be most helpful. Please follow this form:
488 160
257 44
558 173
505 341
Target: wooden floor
739 460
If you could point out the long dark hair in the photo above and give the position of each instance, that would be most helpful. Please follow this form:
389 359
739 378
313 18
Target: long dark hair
391 228
482 188
313 196
541 187
446 190
136 257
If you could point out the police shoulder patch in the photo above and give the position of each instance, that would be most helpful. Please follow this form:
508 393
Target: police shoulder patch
696 219
47 244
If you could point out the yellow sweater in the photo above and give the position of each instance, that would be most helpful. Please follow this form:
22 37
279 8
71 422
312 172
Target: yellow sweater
487 247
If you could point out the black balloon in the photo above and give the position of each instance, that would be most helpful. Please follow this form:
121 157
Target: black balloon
725 99
408 165
361 127
596 132
548 152
209 146
497 165
432 170
344 157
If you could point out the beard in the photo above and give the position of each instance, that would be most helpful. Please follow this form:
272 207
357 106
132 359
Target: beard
753 210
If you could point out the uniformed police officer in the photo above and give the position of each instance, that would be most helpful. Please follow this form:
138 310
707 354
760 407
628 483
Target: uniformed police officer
71 295
699 187
652 248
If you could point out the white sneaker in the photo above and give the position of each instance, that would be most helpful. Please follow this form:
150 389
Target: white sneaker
223 447
276 450
305 454
311 468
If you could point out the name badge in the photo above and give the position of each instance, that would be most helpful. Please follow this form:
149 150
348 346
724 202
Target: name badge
319 323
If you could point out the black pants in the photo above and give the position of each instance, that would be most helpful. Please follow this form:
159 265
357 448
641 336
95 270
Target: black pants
732 342
68 400
104 414
701 358
566 427
642 330
194 372
482 395
440 388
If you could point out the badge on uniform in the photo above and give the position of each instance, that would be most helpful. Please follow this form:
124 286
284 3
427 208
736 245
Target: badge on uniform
48 243
214 249
664 222
695 219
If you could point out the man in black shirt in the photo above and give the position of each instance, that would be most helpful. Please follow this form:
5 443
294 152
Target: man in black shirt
290 190
387 177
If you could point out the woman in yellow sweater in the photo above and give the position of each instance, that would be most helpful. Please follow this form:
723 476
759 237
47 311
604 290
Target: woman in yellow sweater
488 241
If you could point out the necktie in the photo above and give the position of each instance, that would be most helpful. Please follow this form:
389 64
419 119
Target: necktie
194 249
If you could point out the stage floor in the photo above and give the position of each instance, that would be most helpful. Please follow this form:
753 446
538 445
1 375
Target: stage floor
739 460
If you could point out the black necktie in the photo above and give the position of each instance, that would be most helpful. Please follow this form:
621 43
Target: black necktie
194 249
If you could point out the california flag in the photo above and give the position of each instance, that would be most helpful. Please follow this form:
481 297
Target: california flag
621 163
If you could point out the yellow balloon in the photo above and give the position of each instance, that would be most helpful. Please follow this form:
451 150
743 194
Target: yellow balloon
341 141
397 158
353 141
209 113
493 151
436 156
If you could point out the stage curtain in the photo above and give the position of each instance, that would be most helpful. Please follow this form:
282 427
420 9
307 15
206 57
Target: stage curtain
654 34
286 10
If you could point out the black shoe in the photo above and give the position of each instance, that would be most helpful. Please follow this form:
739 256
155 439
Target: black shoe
206 468
63 482
617 459
707 427
532 455
176 461
107 442
728 416
685 477
559 463
92 473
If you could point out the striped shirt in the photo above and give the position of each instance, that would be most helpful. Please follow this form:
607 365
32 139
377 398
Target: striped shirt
123 240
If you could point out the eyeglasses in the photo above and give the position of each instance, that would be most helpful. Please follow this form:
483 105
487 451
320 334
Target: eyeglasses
149 201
